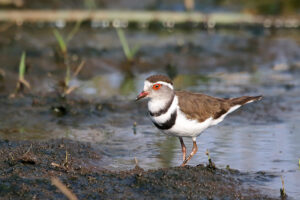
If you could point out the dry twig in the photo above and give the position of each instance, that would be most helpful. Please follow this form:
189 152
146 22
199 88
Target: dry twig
63 188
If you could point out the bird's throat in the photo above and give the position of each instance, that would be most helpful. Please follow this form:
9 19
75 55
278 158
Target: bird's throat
158 107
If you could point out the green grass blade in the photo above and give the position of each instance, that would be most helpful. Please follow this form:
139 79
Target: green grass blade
135 50
68 76
22 66
124 44
60 40
74 30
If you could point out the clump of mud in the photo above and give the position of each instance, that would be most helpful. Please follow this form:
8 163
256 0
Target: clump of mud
26 169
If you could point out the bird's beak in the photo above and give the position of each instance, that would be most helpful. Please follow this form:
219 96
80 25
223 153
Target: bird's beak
141 95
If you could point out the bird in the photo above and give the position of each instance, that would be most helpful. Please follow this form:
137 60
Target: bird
184 113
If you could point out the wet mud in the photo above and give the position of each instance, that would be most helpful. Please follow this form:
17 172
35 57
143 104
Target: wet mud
26 169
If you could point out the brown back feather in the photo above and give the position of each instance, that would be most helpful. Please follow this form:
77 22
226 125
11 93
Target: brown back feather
200 106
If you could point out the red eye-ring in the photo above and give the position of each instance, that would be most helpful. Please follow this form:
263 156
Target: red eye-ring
156 86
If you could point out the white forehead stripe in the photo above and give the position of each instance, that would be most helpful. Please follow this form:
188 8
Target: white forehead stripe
164 83
148 84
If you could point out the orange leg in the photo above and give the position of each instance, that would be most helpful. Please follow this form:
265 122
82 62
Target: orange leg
183 148
194 150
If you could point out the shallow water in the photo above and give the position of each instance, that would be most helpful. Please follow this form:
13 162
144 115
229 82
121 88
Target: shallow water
262 136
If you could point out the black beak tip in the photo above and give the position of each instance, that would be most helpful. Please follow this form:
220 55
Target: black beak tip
136 99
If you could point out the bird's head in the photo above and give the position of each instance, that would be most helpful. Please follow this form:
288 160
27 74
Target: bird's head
157 87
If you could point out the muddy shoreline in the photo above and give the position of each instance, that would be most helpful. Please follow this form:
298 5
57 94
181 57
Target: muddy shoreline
26 168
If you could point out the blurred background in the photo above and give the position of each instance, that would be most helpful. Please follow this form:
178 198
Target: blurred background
72 69
269 7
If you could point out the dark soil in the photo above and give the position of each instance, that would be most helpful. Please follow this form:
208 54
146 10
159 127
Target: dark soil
26 169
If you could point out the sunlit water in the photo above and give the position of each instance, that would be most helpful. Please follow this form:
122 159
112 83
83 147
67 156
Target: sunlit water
263 136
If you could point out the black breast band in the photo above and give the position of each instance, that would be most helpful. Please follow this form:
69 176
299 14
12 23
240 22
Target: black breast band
169 123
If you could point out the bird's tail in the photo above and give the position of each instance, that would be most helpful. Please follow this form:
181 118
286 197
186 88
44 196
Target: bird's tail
244 100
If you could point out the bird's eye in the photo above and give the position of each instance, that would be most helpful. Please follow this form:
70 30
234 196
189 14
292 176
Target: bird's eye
156 86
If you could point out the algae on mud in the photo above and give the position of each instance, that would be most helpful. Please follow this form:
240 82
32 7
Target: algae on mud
26 169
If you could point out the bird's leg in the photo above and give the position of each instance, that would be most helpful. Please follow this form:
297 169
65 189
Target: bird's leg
183 148
194 150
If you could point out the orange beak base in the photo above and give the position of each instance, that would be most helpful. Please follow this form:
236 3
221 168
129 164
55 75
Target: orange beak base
141 95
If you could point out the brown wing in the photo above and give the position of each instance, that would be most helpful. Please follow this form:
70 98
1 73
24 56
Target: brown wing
200 106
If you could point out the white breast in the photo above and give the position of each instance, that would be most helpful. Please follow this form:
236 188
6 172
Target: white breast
166 116
185 127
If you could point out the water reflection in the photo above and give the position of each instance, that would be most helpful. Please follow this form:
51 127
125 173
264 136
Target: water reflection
128 85
167 148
